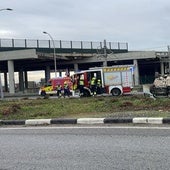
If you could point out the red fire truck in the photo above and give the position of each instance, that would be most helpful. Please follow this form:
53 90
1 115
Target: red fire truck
115 80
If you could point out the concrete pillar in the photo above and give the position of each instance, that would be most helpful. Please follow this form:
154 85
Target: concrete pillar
60 73
21 81
76 67
136 73
11 76
162 67
5 82
47 73
26 79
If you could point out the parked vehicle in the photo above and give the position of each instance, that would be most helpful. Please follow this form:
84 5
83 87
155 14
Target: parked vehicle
115 80
51 87
161 86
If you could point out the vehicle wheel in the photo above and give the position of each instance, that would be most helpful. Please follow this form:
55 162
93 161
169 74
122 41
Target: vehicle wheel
43 93
86 93
116 92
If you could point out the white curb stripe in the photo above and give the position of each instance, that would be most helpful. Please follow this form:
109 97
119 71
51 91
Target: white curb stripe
154 120
148 120
90 121
37 121
140 120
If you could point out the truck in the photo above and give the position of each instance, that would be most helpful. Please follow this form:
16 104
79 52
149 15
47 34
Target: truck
161 86
50 87
115 80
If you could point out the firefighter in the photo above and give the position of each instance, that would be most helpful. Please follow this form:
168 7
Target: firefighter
59 89
99 87
93 86
66 89
81 85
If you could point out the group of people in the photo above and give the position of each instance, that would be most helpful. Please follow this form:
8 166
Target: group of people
95 86
66 90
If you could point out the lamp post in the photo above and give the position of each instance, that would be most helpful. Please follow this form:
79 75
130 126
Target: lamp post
1 88
55 67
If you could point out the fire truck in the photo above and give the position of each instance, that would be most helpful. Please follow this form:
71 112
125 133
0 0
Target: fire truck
50 87
115 80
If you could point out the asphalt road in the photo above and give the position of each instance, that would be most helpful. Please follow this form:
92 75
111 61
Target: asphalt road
76 148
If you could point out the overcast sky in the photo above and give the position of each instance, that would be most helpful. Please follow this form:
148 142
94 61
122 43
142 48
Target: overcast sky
143 24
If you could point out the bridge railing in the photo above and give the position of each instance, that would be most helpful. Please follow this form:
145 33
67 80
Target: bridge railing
30 43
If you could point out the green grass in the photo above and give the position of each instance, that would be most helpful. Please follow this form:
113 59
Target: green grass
123 106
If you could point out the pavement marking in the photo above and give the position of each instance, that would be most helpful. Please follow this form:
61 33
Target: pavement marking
84 127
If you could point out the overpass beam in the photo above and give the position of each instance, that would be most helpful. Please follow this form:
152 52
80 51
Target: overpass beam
11 76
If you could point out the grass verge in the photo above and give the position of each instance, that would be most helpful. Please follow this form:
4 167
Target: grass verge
123 106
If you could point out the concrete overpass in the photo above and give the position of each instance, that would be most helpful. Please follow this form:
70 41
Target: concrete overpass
20 55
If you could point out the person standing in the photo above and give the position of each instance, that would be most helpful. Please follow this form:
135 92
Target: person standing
59 89
66 89
93 85
99 87
81 85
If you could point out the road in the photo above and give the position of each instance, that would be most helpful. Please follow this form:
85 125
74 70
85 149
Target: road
87 148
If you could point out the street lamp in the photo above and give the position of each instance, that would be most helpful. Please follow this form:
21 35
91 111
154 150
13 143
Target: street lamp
1 88
7 9
55 67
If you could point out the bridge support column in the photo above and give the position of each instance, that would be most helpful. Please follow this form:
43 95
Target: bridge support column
5 82
47 73
76 67
21 80
60 73
26 79
162 67
136 73
11 76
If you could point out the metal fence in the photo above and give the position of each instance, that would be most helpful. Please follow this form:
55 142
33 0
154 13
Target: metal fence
30 43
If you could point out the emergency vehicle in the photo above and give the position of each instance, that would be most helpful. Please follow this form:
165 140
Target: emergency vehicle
51 87
115 80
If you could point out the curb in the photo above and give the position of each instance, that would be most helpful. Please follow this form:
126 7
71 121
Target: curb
87 121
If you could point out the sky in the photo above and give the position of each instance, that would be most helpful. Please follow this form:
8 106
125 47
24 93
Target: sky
143 24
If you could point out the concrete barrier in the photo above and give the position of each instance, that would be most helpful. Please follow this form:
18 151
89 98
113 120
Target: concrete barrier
90 121
140 120
117 120
63 121
12 122
154 120
38 122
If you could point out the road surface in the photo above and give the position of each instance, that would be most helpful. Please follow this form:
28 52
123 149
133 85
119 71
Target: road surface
87 148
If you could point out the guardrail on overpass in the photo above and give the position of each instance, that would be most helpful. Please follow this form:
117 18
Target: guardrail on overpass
31 43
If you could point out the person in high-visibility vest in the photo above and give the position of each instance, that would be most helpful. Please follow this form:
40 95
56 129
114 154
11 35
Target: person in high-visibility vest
59 88
81 85
66 89
93 86
99 87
